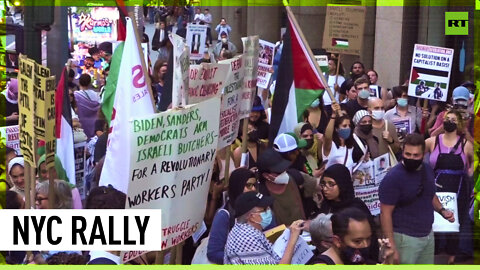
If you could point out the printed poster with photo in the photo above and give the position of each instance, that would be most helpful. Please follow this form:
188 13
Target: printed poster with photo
430 72
196 39
374 91
366 181
265 63
403 126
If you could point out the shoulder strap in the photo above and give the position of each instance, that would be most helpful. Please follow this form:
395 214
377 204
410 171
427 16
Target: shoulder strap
460 141
360 143
437 143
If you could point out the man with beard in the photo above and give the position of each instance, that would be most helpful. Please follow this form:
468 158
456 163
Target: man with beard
407 201
351 239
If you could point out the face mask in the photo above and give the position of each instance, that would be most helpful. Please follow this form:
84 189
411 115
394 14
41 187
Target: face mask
309 143
224 40
365 128
266 218
315 103
344 133
402 102
282 179
351 255
378 115
412 165
449 126
364 94
253 136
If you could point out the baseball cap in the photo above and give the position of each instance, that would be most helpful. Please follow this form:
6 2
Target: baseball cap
287 142
248 200
271 161
461 92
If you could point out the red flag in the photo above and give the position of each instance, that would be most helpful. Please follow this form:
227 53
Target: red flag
414 75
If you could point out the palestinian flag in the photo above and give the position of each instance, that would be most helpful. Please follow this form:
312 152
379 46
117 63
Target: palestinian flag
63 128
429 76
298 83
340 43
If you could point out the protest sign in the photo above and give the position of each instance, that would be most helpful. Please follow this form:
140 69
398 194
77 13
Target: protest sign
196 38
26 109
206 81
181 64
403 127
366 181
265 63
322 61
344 27
430 72
449 202
171 166
79 154
11 137
230 108
301 253
50 118
250 60
374 91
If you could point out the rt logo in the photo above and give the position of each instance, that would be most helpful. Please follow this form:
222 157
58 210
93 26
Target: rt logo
456 23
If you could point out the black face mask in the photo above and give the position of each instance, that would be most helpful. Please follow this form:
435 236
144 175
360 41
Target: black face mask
351 255
309 143
365 128
412 165
449 126
253 136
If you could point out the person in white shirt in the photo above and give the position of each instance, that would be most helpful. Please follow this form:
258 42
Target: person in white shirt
199 17
334 83
208 22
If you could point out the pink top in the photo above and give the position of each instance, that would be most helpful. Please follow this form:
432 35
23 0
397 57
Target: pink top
445 150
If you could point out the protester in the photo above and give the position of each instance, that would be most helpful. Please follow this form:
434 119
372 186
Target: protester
223 45
361 102
352 240
403 110
223 29
383 93
407 201
88 103
254 147
351 92
289 146
338 140
366 145
320 229
11 98
10 153
451 156
159 71
16 173
246 244
334 83
383 130
14 200
241 180
160 41
207 19
258 118
62 196
312 152
338 194
357 70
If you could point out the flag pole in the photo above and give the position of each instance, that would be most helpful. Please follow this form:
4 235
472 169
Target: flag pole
310 53
142 59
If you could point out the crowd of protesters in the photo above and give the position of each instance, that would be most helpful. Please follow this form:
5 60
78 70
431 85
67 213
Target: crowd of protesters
303 179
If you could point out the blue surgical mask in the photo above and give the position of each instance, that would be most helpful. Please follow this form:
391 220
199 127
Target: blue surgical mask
266 218
315 103
344 133
402 102
364 94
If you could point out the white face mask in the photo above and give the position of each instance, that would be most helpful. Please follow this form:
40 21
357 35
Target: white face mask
282 179
378 115
224 40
